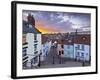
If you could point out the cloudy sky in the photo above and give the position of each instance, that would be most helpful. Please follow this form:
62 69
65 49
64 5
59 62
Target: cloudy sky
61 22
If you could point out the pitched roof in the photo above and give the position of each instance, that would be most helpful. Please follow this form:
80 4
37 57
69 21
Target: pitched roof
27 29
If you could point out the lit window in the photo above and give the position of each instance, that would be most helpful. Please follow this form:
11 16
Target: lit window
35 37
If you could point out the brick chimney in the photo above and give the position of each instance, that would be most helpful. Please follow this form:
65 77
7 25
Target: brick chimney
31 20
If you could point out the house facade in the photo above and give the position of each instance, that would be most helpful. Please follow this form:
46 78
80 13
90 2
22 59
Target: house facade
77 47
82 47
32 37
68 49
65 48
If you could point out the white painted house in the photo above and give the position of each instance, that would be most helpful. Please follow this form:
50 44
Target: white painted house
82 47
33 39
68 49
65 48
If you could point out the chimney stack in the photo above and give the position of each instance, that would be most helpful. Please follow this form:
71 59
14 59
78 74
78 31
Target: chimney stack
31 20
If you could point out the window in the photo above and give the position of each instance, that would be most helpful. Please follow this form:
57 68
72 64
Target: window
24 54
35 47
82 54
24 51
62 52
35 37
78 46
78 53
82 47
35 52
59 52
25 58
62 46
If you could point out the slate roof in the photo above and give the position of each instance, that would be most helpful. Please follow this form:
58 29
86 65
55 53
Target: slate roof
27 29
78 39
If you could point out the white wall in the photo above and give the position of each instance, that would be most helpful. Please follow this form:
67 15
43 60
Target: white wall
30 49
39 43
70 50
86 51
5 40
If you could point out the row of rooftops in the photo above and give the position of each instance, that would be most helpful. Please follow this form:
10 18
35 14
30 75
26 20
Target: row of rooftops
78 39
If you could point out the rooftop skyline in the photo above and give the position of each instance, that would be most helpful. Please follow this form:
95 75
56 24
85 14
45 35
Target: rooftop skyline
59 22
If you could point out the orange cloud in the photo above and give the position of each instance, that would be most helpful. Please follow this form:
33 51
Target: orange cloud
42 28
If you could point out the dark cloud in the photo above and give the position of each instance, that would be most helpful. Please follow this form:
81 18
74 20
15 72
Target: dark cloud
62 20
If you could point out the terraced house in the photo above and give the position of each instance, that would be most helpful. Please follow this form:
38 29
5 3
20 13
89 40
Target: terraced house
31 43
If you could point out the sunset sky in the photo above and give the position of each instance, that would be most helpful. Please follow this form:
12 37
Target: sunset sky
59 22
